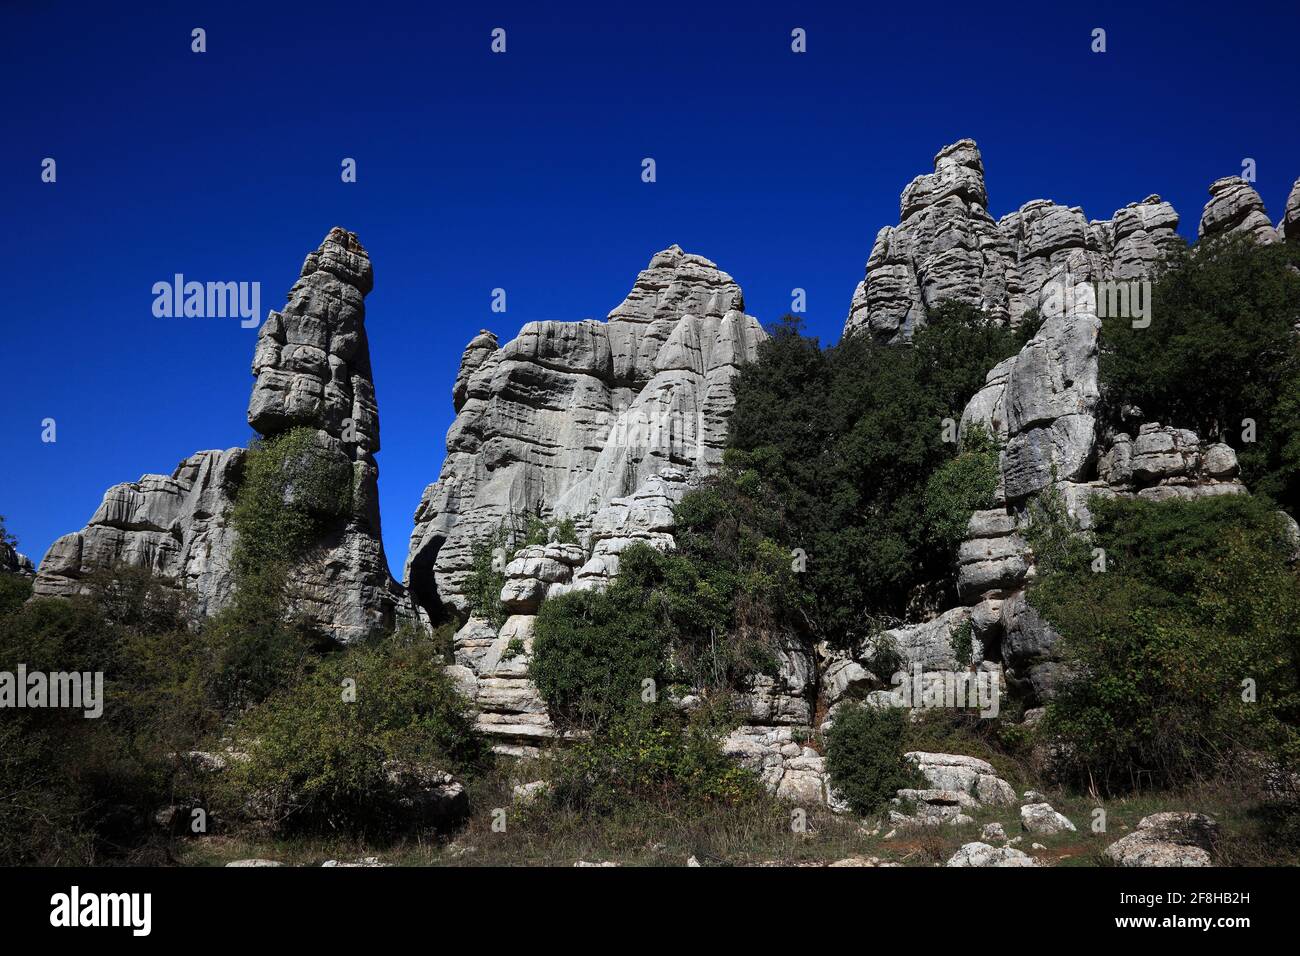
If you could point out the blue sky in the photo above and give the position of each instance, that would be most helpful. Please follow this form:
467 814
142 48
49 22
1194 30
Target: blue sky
522 171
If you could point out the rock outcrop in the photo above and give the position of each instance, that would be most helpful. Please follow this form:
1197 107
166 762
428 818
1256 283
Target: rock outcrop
312 368
608 424
12 562
1289 227
981 854
567 417
947 246
1048 262
1235 209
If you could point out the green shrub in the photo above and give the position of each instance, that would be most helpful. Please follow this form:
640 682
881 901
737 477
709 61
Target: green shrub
488 558
1197 599
293 488
864 756
960 487
15 589
592 650
74 789
1219 349
848 441
317 750
652 754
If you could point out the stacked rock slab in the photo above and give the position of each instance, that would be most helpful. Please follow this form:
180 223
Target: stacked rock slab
568 416
1236 209
947 246
312 368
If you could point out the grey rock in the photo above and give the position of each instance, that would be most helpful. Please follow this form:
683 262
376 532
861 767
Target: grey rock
568 417
970 776
1235 209
1029 648
946 246
993 831
981 854
993 556
1289 227
787 767
254 862
1167 839
312 369
1041 818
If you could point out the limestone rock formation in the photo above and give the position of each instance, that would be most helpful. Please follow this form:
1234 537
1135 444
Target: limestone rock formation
175 526
567 417
312 368
1041 818
1042 404
1289 227
1235 209
12 562
947 246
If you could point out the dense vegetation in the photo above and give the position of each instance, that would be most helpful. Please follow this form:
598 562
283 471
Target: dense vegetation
864 756
1187 647
842 498
1220 349
849 440
253 677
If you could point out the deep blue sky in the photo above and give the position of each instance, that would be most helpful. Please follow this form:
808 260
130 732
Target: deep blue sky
523 171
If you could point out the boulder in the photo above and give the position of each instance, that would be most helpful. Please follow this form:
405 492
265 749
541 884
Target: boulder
970 776
1167 839
1041 818
981 854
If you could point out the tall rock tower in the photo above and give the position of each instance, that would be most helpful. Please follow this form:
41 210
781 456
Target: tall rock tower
312 368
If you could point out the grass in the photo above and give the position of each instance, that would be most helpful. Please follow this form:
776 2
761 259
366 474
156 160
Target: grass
751 834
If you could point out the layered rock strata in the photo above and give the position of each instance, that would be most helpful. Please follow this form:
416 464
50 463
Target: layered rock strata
567 417
312 369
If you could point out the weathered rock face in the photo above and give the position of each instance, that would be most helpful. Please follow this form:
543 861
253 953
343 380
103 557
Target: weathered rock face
1289 227
312 368
1235 209
981 854
569 416
174 526
11 562
1167 839
947 246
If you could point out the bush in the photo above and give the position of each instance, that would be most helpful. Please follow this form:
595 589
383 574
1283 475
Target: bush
293 488
592 650
15 589
317 751
652 754
1197 599
960 487
864 756
1219 349
848 441
76 788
